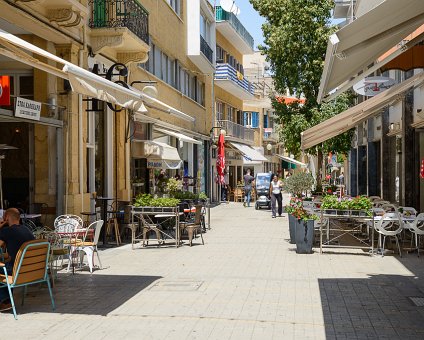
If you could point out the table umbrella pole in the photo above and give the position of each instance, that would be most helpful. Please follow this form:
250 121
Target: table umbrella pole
1 184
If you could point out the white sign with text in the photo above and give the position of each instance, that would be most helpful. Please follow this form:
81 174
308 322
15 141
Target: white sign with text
28 109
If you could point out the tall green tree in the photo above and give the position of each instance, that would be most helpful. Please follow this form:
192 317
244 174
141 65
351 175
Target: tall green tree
295 35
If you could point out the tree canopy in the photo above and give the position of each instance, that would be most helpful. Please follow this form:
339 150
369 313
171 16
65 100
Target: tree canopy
295 35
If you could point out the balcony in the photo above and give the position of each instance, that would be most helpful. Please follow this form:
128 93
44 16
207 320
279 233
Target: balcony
206 50
233 30
237 131
232 81
120 26
270 135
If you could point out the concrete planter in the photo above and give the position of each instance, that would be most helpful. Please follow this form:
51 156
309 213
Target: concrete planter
304 236
292 228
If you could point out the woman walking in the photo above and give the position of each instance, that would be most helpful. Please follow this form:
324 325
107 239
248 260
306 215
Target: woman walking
276 196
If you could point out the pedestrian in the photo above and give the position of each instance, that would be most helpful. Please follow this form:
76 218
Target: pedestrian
224 186
341 179
12 235
276 196
248 179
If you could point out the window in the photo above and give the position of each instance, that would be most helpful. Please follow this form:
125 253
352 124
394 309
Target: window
219 111
230 113
164 68
251 119
176 5
157 69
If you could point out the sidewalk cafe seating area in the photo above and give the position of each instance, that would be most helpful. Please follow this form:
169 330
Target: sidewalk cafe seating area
376 229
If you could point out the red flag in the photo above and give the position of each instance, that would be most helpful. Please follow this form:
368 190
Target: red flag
4 90
220 159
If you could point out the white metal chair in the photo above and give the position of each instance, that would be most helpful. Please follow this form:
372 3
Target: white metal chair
416 227
67 223
390 225
389 207
89 247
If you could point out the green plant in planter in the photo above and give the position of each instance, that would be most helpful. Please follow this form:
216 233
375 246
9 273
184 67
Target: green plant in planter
203 196
143 200
330 202
298 183
295 208
164 202
184 195
173 185
360 203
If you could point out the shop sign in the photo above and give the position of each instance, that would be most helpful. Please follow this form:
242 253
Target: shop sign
154 164
28 109
371 86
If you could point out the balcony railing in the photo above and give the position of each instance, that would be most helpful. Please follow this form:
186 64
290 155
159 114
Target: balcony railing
271 136
120 13
236 130
226 71
206 50
222 15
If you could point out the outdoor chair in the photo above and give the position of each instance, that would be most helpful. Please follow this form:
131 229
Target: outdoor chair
67 223
379 203
147 225
89 247
374 198
112 225
30 267
195 226
389 225
416 227
389 208
238 195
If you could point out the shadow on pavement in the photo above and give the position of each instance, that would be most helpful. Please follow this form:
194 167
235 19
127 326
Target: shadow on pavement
95 294
377 307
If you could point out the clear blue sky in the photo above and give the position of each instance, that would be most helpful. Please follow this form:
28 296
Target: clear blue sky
251 20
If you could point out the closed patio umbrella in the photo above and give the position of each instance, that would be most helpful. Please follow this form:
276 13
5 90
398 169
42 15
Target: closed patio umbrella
220 159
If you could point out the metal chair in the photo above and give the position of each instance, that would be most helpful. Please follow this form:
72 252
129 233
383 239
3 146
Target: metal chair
195 226
390 225
89 247
416 227
30 267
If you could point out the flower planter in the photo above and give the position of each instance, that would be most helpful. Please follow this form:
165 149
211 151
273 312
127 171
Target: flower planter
304 236
343 212
331 211
292 228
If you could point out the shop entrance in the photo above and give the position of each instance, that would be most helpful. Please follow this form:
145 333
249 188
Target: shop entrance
17 174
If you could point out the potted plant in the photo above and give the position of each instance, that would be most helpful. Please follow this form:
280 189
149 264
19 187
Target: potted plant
360 206
290 209
330 204
305 230
299 183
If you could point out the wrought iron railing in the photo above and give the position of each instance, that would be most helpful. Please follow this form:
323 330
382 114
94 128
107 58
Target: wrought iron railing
222 15
226 71
206 50
236 130
120 13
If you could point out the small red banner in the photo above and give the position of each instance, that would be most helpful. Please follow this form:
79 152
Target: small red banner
4 90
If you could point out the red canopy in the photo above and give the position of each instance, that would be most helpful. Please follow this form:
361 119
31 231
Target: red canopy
220 159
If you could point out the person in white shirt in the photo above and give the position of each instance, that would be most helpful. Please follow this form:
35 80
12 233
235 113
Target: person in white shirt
275 189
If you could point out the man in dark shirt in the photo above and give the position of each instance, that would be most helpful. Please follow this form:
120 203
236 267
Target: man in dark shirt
12 236
248 179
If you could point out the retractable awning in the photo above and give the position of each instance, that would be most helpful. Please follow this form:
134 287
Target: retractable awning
355 115
291 160
179 135
359 44
249 153
160 154
81 80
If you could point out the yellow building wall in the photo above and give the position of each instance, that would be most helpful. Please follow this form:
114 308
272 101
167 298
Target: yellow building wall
226 45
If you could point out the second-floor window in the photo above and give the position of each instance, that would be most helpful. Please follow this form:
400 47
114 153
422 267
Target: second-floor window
224 57
251 119
230 113
205 27
176 6
219 111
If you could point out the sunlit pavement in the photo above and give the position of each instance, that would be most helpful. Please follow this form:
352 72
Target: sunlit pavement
246 282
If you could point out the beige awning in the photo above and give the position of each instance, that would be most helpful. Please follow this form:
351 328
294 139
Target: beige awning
355 115
167 156
249 154
179 135
359 44
81 80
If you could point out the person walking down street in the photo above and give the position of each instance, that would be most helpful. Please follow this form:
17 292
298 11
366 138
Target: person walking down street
276 196
248 179
224 187
12 235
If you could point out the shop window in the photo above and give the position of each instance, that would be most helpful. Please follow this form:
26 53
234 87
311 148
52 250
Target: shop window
21 85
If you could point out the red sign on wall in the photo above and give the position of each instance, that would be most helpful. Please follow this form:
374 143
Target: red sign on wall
5 90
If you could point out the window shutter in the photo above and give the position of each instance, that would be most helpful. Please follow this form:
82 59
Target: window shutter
255 119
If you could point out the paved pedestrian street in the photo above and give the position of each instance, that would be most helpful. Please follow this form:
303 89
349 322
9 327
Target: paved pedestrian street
246 282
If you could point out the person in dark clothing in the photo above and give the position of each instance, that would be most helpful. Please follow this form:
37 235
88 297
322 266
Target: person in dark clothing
248 179
12 236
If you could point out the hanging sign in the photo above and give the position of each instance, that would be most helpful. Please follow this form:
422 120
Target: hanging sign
28 109
5 90
371 86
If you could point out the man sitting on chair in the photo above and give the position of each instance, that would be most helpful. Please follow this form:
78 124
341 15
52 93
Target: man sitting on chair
12 235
